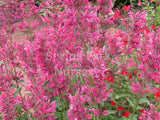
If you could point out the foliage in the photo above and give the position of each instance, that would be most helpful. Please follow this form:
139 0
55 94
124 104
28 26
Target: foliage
153 10
120 3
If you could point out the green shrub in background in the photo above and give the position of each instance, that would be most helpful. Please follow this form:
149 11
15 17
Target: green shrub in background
120 3
153 12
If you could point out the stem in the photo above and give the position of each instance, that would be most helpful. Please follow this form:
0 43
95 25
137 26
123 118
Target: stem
135 108
100 110
16 80
85 47
9 27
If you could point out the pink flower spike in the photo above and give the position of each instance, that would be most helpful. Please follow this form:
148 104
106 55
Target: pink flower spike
88 116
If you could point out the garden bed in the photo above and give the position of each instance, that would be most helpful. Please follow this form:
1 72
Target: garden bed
65 60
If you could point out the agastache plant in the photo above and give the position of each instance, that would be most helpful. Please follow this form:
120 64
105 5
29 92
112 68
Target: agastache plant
69 66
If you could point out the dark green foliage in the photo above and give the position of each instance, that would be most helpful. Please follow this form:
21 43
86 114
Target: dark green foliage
120 3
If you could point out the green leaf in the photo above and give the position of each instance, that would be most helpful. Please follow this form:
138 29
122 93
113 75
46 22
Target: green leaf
111 118
59 105
57 114
76 30
144 100
52 99
111 111
18 107
61 9
45 84
34 118
42 11
21 80
25 116
122 95
134 117
130 102
46 115
29 94
95 3
17 92
139 108
91 79
1 62
15 86
50 89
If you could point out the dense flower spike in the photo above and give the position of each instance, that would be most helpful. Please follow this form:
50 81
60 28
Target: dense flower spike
140 89
150 114
77 111
7 104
